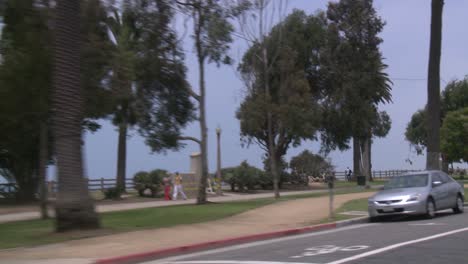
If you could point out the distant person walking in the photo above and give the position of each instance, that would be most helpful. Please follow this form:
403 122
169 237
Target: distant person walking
178 187
167 188
348 174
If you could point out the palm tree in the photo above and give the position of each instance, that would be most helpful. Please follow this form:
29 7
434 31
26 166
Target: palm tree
433 87
123 58
74 207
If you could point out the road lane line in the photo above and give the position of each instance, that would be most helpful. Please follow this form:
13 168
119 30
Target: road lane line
258 243
387 248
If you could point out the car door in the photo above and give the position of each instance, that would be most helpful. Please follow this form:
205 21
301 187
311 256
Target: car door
452 189
439 192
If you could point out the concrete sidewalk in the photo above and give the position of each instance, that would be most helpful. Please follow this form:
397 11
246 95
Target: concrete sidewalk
138 205
275 217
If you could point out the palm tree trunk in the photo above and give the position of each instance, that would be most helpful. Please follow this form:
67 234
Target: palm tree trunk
122 155
369 142
43 157
433 88
74 208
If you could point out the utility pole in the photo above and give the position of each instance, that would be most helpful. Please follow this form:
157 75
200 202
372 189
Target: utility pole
330 178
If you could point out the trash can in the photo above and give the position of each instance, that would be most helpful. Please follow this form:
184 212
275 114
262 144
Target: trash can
361 180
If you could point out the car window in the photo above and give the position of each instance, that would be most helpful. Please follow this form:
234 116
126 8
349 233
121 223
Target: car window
444 177
436 177
407 181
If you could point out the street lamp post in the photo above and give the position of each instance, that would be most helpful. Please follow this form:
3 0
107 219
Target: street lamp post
218 171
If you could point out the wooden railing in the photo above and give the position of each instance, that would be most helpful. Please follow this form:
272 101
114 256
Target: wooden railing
382 174
103 184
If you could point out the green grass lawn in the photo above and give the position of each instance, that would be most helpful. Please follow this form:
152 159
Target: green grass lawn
353 205
38 232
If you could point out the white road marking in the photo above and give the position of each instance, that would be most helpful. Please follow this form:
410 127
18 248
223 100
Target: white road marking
427 224
387 248
327 249
258 243
354 248
234 262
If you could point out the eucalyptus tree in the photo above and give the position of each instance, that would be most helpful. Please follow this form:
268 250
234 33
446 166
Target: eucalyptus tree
212 35
280 109
355 79
24 93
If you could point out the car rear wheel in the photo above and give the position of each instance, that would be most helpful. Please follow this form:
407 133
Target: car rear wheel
430 209
458 209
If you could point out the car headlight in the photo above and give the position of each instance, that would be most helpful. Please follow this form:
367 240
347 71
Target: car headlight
370 201
414 197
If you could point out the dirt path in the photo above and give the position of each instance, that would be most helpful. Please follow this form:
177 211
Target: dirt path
289 214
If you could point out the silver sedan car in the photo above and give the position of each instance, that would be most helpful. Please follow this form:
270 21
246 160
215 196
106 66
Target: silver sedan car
420 193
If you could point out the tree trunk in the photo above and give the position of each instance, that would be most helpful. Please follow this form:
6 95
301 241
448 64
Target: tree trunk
433 88
331 210
218 162
370 159
27 188
74 207
445 164
365 160
201 198
356 158
271 143
122 154
273 162
43 158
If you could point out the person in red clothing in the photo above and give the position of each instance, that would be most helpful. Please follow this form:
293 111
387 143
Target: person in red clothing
167 188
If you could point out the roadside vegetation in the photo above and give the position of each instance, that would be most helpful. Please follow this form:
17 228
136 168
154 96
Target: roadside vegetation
39 232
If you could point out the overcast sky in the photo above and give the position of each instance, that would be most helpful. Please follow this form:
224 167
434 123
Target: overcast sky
405 49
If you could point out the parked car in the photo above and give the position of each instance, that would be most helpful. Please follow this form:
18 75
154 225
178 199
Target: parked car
419 193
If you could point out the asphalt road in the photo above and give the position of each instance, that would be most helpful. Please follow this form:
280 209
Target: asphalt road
400 240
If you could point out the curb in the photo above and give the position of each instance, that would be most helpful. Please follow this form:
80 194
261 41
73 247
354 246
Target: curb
159 253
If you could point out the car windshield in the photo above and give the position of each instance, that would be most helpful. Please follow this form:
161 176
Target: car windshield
407 181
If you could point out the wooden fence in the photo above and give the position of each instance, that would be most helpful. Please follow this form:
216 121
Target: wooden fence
382 174
103 184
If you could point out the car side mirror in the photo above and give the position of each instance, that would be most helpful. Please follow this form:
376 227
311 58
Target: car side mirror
436 183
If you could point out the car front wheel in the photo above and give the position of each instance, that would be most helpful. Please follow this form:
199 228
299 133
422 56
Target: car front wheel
458 209
430 209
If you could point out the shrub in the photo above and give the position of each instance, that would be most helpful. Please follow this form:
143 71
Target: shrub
227 175
149 181
140 179
112 193
243 176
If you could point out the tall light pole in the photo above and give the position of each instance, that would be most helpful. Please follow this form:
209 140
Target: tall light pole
218 171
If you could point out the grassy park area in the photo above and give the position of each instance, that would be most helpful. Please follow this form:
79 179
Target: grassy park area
38 232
